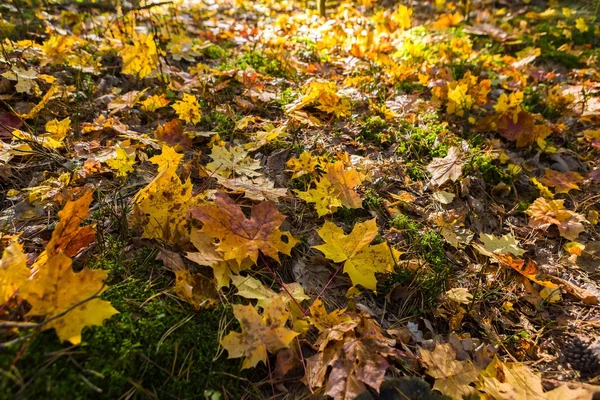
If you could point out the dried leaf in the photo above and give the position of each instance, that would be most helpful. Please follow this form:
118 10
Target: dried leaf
452 377
240 237
259 334
447 168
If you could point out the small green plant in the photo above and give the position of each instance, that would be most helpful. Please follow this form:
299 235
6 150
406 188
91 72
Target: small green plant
373 131
156 344
372 200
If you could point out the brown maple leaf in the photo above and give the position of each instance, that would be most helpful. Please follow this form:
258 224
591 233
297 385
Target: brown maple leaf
359 358
240 237
446 168
172 134
562 182
522 131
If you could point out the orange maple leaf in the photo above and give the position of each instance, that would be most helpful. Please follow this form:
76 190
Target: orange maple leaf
562 182
69 237
545 213
240 237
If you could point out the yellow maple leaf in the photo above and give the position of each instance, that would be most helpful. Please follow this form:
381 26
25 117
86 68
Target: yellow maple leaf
162 206
306 163
511 381
188 109
545 213
25 79
195 289
452 377
510 104
168 159
544 191
240 237
141 56
581 25
154 102
401 16
325 95
344 181
57 289
324 196
259 334
459 101
208 255
233 160
58 129
361 260
13 271
252 288
123 162
562 182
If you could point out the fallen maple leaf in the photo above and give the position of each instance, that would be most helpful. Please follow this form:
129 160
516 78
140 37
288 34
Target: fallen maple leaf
172 134
306 163
13 271
69 237
344 181
57 289
259 188
324 195
522 131
361 261
511 381
562 182
259 334
545 213
168 159
452 377
240 237
447 168
141 56
188 109
357 359
123 162
162 207
208 255
226 162
331 326
196 289
504 244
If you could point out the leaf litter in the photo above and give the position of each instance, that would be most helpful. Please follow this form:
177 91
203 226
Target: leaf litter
383 191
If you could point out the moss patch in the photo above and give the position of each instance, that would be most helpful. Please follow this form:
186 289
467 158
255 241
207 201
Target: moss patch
156 347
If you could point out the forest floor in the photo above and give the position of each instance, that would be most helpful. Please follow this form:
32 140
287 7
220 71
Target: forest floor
260 202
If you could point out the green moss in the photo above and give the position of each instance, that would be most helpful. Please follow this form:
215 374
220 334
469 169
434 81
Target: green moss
425 140
214 52
373 131
407 225
261 62
287 96
218 122
372 200
428 282
156 345
414 172
486 166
